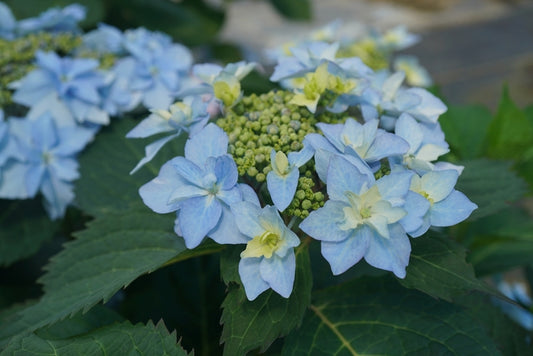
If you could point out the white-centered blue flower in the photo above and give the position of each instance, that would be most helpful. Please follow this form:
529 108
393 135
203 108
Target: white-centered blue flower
447 205
361 219
201 187
44 161
423 150
66 84
282 180
362 144
189 115
268 260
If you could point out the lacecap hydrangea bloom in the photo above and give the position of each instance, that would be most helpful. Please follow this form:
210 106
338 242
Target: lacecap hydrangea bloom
344 155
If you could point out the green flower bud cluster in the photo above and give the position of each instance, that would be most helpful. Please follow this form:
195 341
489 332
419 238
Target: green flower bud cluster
384 170
260 123
369 52
307 197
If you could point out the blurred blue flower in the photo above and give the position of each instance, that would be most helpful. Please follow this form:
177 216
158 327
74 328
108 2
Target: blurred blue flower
54 20
268 260
201 187
415 74
105 39
44 161
188 116
63 84
361 219
7 22
516 291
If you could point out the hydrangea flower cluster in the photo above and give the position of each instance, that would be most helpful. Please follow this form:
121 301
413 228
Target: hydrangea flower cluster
344 154
71 93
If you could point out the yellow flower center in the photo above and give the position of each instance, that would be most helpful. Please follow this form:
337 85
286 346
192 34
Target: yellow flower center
263 245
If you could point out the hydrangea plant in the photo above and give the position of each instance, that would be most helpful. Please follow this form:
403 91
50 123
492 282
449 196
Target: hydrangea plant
332 212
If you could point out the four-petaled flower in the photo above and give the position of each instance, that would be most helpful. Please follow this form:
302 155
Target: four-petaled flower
268 260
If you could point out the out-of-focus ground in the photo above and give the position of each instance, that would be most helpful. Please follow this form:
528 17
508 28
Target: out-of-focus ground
470 47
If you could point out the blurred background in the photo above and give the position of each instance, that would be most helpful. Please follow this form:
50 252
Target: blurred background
470 47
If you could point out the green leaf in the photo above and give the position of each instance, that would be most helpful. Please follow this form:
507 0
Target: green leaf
80 323
110 254
367 317
510 132
465 128
116 339
192 22
105 184
437 267
508 335
249 325
491 185
500 242
293 9
19 238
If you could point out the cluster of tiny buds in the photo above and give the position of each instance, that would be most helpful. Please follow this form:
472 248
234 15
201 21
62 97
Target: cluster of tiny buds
260 123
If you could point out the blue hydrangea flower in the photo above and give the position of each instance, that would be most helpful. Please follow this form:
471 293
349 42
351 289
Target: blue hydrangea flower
282 180
424 145
361 219
54 20
398 38
447 205
7 22
63 84
268 260
363 145
222 84
45 162
189 116
385 99
156 74
105 39
201 187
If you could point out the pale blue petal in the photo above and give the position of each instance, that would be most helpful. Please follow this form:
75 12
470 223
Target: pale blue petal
188 170
439 184
251 277
301 157
226 231
226 172
197 217
343 177
408 129
394 187
344 254
426 223
211 141
11 186
390 254
155 193
73 139
279 273
385 145
248 194
416 206
230 196
322 158
151 150
430 107
185 191
152 125
317 141
247 218
282 189
322 224
333 134
35 176
65 168
452 210
157 97
58 195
